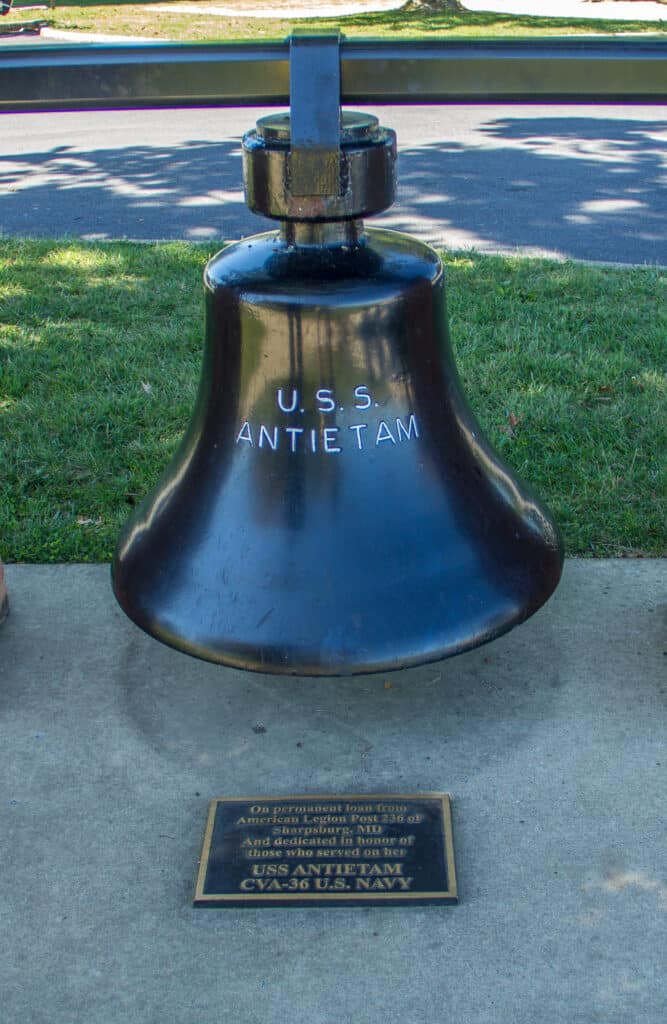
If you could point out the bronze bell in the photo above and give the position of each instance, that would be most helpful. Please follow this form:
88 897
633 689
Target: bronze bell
334 507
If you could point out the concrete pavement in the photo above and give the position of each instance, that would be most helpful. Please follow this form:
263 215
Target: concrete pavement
284 8
619 10
551 741
579 182
614 10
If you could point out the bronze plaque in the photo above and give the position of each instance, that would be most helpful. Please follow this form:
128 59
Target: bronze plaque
268 851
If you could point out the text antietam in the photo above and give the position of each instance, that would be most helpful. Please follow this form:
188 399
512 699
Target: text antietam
366 433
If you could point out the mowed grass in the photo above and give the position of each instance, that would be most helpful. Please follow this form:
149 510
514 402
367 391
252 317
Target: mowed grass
416 20
100 348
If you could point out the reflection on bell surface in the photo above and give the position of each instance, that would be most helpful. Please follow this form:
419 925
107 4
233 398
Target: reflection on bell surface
334 507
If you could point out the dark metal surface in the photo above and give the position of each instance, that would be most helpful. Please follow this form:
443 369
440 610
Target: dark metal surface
334 507
314 156
558 70
319 850
365 171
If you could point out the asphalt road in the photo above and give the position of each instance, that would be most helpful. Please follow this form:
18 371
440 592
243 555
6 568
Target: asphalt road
583 182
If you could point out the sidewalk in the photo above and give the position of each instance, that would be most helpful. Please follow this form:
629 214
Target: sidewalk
623 10
551 741
618 10
615 10
285 8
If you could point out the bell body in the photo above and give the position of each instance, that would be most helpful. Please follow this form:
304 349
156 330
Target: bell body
334 507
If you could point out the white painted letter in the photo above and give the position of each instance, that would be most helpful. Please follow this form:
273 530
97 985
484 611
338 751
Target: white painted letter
313 440
329 434
245 434
280 398
384 434
294 431
325 397
412 429
362 393
271 441
359 427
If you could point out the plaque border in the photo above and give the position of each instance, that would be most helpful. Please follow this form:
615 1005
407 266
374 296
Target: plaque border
450 895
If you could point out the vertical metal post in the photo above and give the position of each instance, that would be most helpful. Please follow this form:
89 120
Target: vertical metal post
315 114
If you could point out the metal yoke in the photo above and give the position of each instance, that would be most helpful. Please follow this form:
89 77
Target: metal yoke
316 163
315 114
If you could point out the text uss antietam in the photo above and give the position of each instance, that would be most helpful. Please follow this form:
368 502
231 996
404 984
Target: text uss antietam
366 432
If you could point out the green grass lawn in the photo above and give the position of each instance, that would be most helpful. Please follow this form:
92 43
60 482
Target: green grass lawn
100 349
416 20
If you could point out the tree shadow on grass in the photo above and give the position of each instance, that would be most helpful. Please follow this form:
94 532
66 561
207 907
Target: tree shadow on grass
576 186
